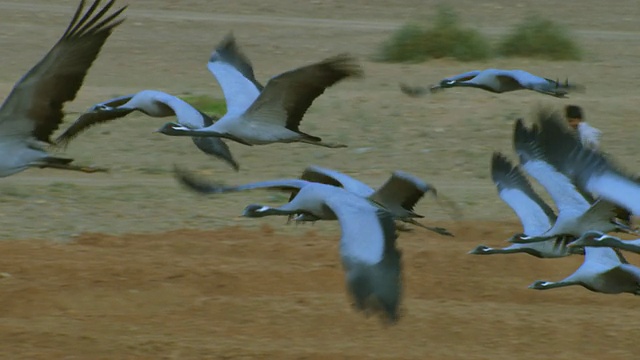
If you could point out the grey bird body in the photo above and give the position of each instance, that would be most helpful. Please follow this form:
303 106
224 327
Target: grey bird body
499 81
603 270
534 213
152 103
591 170
600 239
34 108
398 195
274 114
370 258
576 215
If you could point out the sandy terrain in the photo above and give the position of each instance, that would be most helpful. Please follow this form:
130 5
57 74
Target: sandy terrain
130 265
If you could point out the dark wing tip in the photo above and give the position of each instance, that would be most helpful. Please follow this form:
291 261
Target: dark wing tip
388 225
413 91
226 46
68 63
420 184
525 141
195 183
500 166
344 64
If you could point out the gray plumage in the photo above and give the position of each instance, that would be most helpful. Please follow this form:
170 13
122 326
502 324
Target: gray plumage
576 214
398 194
600 239
370 258
228 52
152 103
499 81
534 213
590 169
603 270
34 108
273 115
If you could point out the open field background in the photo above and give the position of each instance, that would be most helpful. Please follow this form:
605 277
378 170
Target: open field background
130 265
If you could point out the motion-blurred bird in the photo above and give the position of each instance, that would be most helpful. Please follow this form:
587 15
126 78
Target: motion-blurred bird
155 104
34 108
273 115
499 81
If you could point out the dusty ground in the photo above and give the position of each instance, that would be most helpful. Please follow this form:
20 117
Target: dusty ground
130 265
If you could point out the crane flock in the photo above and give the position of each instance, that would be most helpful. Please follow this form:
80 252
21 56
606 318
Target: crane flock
593 196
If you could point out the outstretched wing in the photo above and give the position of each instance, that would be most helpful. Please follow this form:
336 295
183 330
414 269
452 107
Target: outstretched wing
369 255
516 191
35 105
331 177
367 230
326 176
401 188
591 170
233 71
200 185
287 96
92 117
216 147
530 145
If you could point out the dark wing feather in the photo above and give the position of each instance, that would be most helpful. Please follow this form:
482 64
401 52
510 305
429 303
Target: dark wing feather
402 188
312 175
550 132
216 147
87 120
229 52
294 91
581 164
505 175
198 184
34 106
508 83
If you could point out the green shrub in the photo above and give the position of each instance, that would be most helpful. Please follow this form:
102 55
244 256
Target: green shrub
207 104
537 37
415 43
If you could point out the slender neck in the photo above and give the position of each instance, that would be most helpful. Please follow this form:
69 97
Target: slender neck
528 240
277 211
563 283
284 210
507 250
620 244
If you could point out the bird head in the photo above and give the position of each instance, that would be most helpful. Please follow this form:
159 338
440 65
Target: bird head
515 238
447 83
480 250
256 210
590 238
540 285
442 85
172 128
100 107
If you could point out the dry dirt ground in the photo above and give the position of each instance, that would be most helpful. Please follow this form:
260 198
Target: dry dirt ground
130 265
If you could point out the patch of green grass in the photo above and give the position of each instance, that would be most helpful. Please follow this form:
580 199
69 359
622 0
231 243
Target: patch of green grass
207 104
540 38
446 38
